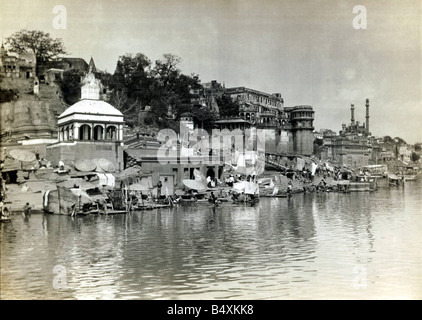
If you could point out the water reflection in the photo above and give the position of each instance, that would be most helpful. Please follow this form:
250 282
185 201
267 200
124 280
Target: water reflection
308 246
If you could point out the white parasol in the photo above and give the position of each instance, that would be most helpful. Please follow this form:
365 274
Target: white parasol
138 187
199 184
106 165
22 155
83 196
85 165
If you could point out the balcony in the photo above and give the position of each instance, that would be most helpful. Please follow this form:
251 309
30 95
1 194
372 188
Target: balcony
267 114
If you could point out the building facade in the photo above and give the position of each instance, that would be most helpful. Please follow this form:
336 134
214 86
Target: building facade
288 130
353 146
260 108
17 66
51 71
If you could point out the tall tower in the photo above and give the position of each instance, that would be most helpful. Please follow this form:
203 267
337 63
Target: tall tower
301 120
352 111
367 116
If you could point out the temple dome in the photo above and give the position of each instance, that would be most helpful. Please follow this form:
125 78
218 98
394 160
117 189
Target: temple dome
90 107
94 107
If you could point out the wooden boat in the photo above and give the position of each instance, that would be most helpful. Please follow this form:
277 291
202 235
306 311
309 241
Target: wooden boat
151 204
193 197
60 201
410 177
359 186
410 173
78 202
248 202
116 203
5 219
394 180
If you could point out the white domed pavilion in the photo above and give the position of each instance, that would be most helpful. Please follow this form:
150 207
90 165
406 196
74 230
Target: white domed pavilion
89 129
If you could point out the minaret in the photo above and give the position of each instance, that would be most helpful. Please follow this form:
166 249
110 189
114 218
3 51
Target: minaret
367 116
352 111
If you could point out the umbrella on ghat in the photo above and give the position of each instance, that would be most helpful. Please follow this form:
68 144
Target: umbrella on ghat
138 187
22 155
85 165
83 196
199 183
106 165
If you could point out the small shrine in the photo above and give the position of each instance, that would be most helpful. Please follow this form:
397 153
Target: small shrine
89 129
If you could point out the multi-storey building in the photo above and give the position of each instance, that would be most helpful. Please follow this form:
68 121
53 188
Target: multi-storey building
17 66
353 146
262 109
288 130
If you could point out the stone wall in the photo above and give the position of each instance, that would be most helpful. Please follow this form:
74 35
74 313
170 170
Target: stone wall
30 116
70 151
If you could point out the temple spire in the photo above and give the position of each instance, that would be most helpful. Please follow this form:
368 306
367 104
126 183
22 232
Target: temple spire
91 66
90 87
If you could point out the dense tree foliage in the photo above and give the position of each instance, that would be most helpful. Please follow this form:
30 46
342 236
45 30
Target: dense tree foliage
40 43
388 139
399 140
227 107
70 85
136 83
7 95
415 156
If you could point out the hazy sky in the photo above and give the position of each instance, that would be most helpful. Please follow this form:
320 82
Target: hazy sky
308 51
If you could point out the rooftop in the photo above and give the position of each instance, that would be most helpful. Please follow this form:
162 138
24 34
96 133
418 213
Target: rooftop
88 106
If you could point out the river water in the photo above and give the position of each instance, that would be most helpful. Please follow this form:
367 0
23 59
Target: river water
312 246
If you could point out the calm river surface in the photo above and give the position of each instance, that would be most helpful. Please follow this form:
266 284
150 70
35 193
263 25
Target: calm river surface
313 246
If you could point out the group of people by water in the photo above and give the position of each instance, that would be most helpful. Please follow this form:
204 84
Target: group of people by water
4 211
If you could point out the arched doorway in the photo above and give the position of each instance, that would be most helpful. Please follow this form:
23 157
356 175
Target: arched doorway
85 132
98 132
111 133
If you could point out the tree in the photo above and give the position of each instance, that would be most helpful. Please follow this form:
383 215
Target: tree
388 139
7 95
319 142
120 100
170 87
130 83
136 83
166 71
71 85
227 107
415 157
399 140
40 43
204 116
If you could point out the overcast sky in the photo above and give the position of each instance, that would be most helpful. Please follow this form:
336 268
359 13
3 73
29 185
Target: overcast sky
308 51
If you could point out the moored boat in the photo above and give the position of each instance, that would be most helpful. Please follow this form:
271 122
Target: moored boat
5 219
